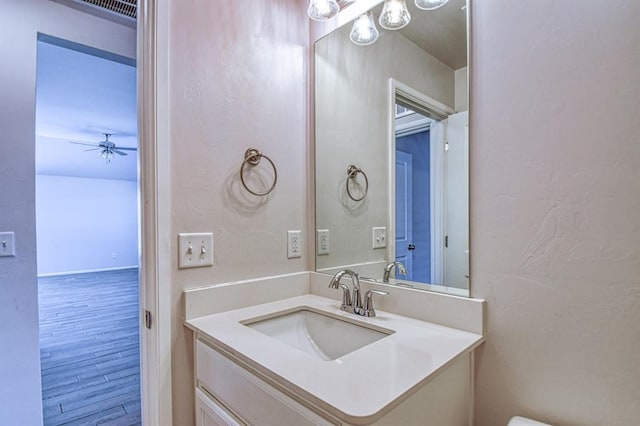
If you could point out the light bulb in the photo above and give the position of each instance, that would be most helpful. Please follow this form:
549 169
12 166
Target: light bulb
395 15
321 10
364 30
430 4
106 154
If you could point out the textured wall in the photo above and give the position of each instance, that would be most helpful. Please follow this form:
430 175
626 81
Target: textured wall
82 223
237 75
555 195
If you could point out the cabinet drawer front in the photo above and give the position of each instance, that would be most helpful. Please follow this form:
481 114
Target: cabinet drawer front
209 413
248 396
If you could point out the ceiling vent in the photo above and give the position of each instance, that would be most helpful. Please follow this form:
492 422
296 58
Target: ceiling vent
121 11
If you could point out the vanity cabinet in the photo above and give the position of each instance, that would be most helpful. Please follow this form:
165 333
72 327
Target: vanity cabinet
252 400
228 392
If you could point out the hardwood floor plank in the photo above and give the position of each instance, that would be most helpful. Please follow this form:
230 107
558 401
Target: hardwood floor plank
89 346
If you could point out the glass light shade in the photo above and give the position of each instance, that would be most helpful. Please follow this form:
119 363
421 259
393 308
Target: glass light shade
321 10
395 15
430 4
106 154
364 30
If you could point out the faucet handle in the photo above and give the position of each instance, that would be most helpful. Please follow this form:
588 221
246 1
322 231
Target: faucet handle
401 269
346 298
368 310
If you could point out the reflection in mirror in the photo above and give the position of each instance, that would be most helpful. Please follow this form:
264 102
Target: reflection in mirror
397 110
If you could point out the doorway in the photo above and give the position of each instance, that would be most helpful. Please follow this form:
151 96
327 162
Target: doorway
87 226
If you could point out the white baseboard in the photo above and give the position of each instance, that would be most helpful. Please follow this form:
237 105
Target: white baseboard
87 271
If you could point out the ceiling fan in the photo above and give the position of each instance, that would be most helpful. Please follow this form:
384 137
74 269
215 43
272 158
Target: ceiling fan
107 148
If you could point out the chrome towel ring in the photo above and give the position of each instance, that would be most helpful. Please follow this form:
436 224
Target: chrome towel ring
252 157
352 173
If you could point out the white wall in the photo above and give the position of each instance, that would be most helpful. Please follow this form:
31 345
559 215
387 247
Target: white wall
237 74
352 110
555 196
85 224
19 23
461 91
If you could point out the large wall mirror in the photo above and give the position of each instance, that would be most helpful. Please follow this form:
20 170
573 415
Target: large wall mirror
391 141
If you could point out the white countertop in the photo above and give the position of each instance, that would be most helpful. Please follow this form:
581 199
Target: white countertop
364 384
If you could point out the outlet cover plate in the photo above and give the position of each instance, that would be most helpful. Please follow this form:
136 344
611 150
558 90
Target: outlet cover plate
294 244
379 237
323 242
195 250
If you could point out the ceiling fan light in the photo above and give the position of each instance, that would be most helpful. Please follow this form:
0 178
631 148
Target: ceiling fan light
106 154
430 4
395 15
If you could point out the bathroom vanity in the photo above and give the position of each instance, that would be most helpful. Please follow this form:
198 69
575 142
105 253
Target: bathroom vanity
290 356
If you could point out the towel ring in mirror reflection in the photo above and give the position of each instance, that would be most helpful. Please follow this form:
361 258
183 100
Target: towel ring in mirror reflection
352 173
252 157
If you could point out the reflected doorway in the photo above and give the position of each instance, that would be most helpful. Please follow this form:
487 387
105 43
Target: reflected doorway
431 196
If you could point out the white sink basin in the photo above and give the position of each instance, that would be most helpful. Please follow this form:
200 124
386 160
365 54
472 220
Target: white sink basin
317 333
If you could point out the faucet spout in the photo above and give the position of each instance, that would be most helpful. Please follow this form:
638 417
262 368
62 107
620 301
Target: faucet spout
387 270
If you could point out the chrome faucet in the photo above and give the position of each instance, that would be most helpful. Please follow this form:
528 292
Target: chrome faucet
349 304
387 270
353 304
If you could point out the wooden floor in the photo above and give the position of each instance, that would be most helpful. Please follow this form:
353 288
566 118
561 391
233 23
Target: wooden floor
89 348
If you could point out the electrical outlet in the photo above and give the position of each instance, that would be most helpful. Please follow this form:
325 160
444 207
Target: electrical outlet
323 242
379 236
7 244
294 244
195 250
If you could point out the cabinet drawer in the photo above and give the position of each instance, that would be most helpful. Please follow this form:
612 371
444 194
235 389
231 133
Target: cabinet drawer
209 413
249 397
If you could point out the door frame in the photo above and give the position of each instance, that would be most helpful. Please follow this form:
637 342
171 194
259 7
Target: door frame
439 109
155 220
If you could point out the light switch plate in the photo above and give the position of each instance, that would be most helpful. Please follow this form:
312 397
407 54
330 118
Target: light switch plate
294 244
379 236
7 244
323 242
195 250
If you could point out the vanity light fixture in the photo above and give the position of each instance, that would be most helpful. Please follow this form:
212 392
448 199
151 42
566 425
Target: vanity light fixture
395 15
430 4
364 30
321 10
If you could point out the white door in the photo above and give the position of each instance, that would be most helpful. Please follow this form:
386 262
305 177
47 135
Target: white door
456 252
404 211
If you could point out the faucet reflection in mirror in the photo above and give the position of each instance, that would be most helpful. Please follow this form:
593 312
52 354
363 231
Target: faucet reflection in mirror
387 270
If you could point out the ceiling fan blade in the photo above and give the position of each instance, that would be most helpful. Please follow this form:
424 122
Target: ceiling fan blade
82 143
92 149
126 149
117 151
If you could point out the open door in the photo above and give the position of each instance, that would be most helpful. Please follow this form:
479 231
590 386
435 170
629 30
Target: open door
456 251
